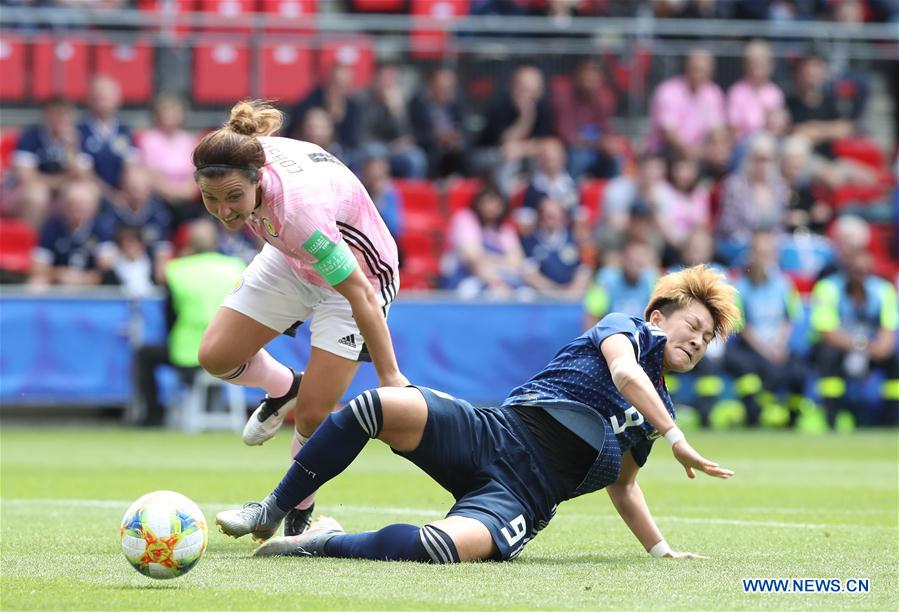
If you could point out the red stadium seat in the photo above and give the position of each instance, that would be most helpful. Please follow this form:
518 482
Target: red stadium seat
12 67
803 284
426 41
171 9
420 265
418 244
378 6
287 71
421 205
131 64
591 197
355 51
861 150
231 15
461 193
221 72
59 68
9 139
17 241
289 15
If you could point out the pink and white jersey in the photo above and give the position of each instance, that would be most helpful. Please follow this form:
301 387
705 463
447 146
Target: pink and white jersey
309 196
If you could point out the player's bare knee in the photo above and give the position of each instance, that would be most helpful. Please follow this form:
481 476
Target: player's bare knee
213 359
308 416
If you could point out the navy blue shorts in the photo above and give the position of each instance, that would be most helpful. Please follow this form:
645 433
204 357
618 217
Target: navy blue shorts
491 464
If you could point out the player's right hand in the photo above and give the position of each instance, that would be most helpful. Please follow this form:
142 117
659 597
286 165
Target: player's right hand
683 555
691 460
396 380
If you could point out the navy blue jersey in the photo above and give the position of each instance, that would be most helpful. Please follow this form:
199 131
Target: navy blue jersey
579 374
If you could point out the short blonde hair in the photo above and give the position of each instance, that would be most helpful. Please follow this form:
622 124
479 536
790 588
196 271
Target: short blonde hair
703 284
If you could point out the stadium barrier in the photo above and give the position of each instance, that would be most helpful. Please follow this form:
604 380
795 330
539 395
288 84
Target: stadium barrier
75 349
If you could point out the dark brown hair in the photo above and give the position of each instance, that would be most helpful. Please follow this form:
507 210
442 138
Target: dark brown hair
234 146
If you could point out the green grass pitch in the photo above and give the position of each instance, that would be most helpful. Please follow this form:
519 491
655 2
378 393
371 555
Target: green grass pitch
809 507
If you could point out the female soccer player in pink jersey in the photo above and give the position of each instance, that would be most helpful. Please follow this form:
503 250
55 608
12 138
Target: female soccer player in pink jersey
328 255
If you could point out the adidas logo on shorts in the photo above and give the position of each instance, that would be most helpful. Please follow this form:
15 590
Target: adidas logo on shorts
348 340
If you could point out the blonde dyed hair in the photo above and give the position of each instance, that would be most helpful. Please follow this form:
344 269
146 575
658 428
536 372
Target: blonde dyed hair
703 284
234 146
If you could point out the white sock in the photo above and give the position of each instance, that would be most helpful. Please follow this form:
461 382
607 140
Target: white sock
295 445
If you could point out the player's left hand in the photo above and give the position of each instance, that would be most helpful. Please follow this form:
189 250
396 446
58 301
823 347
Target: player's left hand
683 555
691 460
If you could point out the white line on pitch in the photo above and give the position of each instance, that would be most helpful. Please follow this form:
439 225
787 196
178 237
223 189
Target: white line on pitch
427 512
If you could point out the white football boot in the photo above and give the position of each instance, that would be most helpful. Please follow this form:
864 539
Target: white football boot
266 420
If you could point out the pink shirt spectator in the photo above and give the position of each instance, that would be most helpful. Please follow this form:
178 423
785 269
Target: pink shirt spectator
682 213
747 106
309 193
691 114
465 229
170 156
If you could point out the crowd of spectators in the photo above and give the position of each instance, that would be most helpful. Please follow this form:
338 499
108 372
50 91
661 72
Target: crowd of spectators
741 176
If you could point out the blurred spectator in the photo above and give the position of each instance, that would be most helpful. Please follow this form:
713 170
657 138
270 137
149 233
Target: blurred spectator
514 123
583 109
47 156
718 154
759 357
750 99
699 248
135 206
336 97
483 250
685 202
384 121
133 267
166 150
498 7
553 258
387 199
754 198
775 10
688 9
625 287
686 108
104 137
72 249
805 211
853 314
318 128
196 284
550 178
849 233
813 107
437 122
623 193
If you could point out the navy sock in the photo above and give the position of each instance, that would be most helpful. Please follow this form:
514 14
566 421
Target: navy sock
398 542
331 449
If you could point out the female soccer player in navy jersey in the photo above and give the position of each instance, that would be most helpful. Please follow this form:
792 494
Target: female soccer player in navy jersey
587 421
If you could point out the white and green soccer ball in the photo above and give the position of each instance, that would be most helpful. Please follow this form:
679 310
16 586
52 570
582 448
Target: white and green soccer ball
163 534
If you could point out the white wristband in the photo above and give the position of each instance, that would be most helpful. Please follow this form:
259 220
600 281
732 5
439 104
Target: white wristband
674 435
660 550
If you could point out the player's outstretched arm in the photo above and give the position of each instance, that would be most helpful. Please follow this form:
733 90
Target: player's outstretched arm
627 497
635 387
370 319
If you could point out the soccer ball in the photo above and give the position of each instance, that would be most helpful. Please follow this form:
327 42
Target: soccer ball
163 534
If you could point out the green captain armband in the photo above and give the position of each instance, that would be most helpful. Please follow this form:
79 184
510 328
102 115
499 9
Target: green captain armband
335 261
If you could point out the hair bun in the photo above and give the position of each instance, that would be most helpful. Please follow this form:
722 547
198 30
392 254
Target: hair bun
254 118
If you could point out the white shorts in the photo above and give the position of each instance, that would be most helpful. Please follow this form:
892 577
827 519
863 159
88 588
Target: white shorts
269 292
